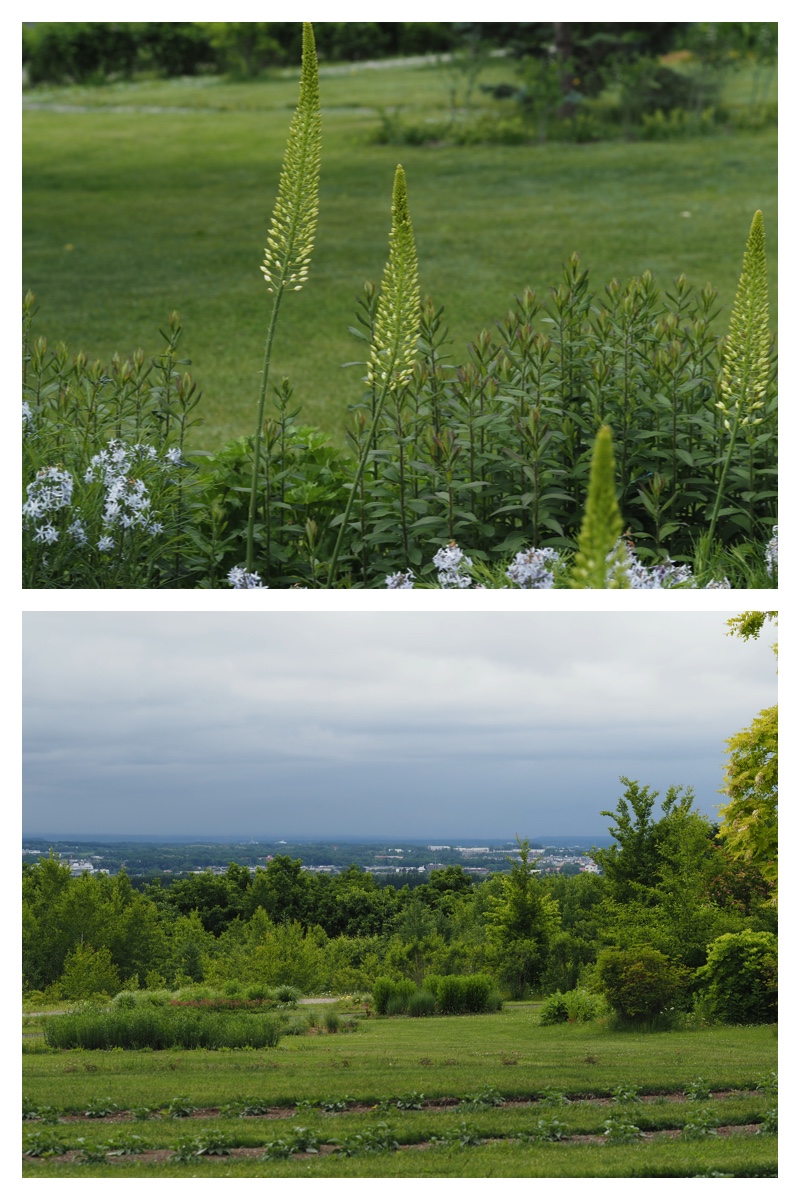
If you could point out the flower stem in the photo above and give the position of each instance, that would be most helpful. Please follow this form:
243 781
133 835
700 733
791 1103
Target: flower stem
262 399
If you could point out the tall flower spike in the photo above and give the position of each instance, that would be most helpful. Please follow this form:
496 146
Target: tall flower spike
294 220
599 562
394 345
291 234
394 341
746 358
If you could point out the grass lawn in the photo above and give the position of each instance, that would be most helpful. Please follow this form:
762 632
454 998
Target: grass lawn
142 198
447 1057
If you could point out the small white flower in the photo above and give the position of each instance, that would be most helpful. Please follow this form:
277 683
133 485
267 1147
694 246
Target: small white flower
403 579
531 568
78 532
453 566
47 534
105 544
667 574
771 552
239 578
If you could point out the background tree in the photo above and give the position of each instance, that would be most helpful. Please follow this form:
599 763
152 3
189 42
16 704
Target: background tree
522 922
750 818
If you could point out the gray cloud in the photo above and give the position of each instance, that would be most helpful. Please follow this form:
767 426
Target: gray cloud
325 724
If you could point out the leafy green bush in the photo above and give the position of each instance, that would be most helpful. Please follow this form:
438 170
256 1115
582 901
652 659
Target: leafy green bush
576 1005
639 984
159 1029
740 978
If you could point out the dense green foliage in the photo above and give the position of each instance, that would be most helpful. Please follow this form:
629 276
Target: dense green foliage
639 984
740 978
669 885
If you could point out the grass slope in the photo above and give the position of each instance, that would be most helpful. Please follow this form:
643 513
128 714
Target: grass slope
157 196
443 1056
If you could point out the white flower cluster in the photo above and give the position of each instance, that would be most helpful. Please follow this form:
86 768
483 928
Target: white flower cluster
667 574
27 415
127 501
531 568
50 491
771 552
239 578
403 579
453 566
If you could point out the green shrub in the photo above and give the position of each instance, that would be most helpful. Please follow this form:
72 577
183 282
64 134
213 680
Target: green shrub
391 996
258 991
422 1004
576 1005
554 1010
740 978
285 993
639 984
333 1022
125 1000
464 993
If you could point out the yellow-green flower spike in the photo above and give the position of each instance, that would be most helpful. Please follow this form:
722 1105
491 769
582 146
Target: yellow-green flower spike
746 358
291 233
294 219
394 346
599 560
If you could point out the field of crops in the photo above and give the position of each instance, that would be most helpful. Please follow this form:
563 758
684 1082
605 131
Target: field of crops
484 1095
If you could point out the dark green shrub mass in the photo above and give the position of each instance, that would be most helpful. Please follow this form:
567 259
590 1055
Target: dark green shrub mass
639 984
740 978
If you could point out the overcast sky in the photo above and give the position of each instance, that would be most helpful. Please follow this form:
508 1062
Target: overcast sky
364 725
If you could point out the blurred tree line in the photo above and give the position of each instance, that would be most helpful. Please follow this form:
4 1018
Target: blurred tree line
96 51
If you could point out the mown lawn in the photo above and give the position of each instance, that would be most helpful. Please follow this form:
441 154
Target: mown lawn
386 1060
152 197
440 1057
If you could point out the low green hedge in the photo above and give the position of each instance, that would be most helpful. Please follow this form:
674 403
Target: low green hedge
160 1029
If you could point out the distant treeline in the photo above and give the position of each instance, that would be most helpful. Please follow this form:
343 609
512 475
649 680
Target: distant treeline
668 883
98 51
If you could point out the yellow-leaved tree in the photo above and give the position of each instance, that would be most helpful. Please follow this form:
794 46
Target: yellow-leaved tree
750 818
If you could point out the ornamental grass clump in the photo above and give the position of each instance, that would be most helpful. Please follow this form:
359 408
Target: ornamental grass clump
160 1029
